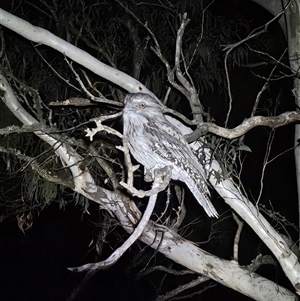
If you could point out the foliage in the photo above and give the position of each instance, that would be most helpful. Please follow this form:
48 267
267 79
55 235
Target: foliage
105 30
116 33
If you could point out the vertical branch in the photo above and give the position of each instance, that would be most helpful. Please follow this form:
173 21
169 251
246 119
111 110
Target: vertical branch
138 54
130 168
265 163
204 10
255 33
228 87
296 92
189 87
292 14
186 87
240 224
266 84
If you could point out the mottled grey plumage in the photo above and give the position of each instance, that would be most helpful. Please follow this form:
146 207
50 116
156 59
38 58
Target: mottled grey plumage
155 142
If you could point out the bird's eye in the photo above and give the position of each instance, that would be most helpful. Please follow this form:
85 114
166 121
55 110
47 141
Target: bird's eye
142 105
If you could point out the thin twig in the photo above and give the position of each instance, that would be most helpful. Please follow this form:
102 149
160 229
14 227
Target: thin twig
240 224
100 127
265 86
265 163
162 268
100 98
114 257
55 72
255 33
181 288
181 212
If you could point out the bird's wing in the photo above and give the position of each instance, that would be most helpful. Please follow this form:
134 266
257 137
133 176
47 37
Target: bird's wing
186 167
170 144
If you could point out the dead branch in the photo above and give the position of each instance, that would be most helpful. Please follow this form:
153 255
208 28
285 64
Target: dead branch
240 224
163 173
245 126
181 288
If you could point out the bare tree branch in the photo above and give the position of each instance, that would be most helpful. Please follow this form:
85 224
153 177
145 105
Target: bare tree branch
182 288
190 90
115 256
237 237
230 47
171 244
165 176
44 37
245 126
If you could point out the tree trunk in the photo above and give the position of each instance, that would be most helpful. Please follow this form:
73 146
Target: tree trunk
290 24
170 244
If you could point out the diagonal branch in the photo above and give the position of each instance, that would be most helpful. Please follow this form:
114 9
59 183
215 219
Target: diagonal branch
112 259
45 37
171 244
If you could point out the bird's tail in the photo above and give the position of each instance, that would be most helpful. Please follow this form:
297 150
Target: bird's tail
200 191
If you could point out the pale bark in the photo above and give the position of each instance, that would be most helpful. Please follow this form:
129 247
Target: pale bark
232 195
169 243
290 25
248 124
274 7
173 246
293 38
45 37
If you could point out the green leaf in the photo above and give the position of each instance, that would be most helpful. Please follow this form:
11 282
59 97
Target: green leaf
245 148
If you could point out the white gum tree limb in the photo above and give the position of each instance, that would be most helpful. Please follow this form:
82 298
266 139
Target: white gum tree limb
45 37
169 243
290 25
232 195
173 246
293 37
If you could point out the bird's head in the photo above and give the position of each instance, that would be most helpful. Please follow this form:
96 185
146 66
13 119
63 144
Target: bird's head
142 104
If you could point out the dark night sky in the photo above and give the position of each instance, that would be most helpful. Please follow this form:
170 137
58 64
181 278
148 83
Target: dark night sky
33 265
